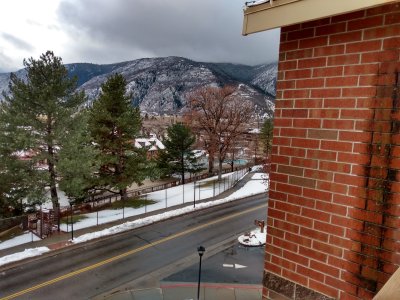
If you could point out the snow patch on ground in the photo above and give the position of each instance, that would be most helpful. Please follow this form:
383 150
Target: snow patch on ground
253 238
257 168
249 189
258 176
22 255
26 237
175 196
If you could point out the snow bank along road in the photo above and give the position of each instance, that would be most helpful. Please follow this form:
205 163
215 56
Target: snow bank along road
99 266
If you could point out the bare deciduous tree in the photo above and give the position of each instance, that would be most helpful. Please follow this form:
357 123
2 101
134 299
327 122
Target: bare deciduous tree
220 113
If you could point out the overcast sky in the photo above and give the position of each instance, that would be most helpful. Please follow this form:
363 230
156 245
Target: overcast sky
107 31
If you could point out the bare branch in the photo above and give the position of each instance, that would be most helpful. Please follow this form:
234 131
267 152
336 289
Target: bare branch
220 115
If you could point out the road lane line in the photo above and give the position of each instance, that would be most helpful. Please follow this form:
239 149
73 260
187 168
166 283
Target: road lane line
125 254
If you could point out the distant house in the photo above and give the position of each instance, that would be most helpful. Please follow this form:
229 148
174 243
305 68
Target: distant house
202 157
25 154
152 144
28 155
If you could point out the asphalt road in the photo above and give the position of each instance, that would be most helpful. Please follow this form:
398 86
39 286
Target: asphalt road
100 266
236 264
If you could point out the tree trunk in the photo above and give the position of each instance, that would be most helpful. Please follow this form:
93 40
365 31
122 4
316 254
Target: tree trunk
233 160
51 164
210 163
53 182
124 194
183 168
219 169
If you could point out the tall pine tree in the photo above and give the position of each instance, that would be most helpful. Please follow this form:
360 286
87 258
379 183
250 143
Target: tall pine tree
114 124
266 135
17 181
178 157
77 160
38 112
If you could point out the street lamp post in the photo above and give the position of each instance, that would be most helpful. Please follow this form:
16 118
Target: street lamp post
194 192
71 203
201 251
58 217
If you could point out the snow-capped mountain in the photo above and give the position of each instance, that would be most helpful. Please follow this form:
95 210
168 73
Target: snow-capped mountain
265 78
260 76
162 85
5 80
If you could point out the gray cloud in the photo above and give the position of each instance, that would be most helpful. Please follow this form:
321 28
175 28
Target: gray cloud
206 30
38 24
16 42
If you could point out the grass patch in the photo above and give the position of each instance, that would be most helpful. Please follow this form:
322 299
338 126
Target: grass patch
75 218
209 183
16 231
132 202
212 183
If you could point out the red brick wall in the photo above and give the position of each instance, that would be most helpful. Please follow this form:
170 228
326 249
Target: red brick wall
334 207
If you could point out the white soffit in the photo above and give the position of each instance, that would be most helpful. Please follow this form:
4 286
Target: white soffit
279 13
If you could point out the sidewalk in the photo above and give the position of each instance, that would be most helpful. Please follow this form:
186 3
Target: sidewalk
188 291
60 240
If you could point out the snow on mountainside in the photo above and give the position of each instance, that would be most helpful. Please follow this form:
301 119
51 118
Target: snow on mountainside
86 71
162 85
5 80
265 78
260 76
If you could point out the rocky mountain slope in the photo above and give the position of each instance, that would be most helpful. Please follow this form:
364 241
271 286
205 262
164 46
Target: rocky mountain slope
162 85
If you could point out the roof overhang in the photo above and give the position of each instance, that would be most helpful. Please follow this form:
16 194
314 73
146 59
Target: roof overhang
279 13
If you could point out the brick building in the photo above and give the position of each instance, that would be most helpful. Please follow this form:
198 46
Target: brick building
334 200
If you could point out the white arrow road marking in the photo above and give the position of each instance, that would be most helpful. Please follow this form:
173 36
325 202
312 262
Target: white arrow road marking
237 266
228 266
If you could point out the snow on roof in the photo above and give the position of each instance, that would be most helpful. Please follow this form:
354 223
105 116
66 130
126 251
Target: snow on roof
254 130
23 153
153 143
258 2
199 153
153 148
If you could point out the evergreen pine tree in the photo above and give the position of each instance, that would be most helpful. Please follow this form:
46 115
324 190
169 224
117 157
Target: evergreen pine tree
178 157
114 124
266 136
17 179
12 171
77 164
38 112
